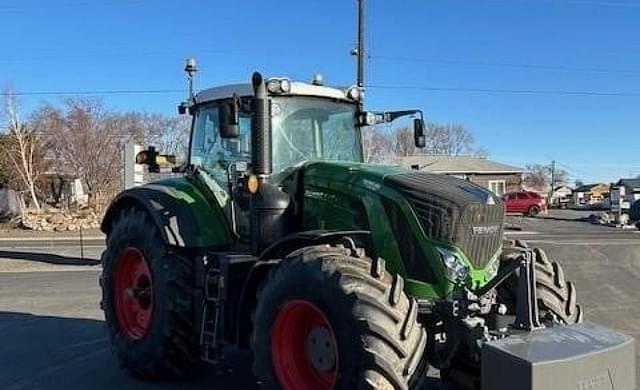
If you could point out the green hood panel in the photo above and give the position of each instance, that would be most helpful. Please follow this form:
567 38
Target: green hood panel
351 172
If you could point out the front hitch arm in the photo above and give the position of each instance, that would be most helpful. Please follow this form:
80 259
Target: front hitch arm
527 316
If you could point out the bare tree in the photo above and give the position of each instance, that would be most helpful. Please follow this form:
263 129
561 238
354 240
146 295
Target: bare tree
538 177
403 143
450 139
85 142
168 134
447 140
377 144
6 166
21 148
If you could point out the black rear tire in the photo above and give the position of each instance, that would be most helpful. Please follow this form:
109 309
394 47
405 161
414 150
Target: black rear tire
170 346
380 344
557 298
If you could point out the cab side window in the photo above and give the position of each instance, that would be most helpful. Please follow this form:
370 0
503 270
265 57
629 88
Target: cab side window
212 153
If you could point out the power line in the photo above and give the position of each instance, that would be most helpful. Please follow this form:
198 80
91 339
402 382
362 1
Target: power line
51 4
509 91
503 64
373 86
132 53
580 173
580 2
98 92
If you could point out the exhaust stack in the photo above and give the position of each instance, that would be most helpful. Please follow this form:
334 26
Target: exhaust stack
260 128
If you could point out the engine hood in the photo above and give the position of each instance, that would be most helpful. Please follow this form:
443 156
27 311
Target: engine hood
448 209
371 176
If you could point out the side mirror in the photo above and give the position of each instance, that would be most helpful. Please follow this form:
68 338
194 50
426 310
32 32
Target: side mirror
418 133
183 108
230 118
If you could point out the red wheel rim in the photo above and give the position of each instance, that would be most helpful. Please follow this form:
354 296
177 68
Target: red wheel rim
304 348
133 290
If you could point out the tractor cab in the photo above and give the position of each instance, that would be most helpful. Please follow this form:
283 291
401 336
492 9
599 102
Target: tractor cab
247 140
306 122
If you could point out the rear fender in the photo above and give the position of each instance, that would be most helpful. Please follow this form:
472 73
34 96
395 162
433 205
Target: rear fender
184 217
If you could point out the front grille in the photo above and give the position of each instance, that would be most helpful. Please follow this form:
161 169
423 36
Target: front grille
455 211
482 244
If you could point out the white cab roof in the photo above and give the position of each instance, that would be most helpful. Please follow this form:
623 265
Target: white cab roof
297 88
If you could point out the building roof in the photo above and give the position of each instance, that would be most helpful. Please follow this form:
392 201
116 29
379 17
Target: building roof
459 165
629 183
588 187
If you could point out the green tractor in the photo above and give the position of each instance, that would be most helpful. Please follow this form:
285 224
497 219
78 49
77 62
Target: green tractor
335 273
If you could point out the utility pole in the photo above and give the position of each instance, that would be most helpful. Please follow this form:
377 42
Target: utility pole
359 50
553 178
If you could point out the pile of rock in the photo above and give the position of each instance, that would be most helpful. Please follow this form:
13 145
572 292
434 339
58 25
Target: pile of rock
602 218
60 220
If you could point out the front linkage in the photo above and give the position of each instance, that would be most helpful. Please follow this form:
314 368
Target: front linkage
469 319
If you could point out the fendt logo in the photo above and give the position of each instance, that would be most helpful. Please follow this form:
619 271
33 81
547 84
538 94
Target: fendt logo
484 230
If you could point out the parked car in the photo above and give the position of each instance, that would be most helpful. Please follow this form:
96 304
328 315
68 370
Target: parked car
525 202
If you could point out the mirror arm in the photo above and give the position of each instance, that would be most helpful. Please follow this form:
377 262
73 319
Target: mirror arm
364 118
390 116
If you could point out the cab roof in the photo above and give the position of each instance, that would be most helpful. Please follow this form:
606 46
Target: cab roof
297 89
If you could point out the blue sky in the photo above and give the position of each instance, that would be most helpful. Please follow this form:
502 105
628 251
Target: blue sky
505 45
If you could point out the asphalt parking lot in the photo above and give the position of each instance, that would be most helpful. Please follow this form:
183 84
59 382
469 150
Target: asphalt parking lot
53 337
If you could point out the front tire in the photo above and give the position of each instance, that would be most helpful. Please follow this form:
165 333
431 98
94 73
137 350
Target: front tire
330 318
147 299
533 211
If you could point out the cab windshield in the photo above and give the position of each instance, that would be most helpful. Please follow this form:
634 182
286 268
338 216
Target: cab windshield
309 128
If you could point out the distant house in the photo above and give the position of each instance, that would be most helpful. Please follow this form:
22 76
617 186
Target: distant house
590 195
631 187
497 177
624 194
561 196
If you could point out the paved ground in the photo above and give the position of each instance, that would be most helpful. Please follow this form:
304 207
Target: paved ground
53 337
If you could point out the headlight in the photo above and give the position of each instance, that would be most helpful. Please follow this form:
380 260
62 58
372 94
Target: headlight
273 86
456 268
285 85
276 85
354 93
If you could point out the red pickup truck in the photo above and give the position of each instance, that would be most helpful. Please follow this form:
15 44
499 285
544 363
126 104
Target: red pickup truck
525 202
